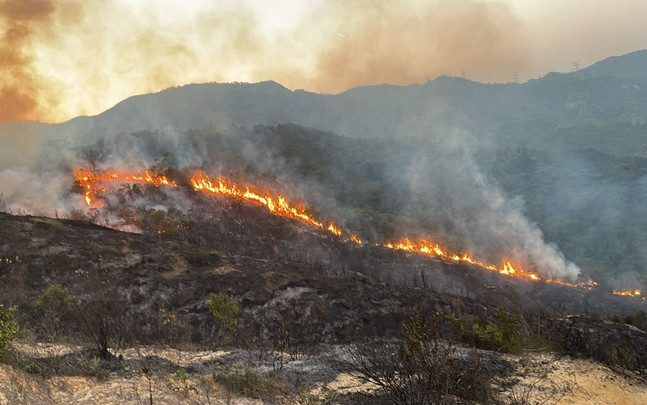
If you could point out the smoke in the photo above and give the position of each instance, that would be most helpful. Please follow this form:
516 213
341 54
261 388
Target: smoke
37 172
582 31
459 206
61 59
450 198
29 193
367 42
22 88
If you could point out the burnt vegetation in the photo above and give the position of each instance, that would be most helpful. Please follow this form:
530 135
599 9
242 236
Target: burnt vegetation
227 274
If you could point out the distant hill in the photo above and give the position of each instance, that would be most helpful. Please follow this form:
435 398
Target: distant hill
612 90
629 66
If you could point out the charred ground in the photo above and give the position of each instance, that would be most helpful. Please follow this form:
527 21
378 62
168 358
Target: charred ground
295 286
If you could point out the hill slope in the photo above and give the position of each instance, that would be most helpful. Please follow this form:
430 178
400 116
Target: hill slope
565 153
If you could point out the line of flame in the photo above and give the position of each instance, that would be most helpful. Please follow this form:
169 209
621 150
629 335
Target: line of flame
628 293
432 249
275 204
278 205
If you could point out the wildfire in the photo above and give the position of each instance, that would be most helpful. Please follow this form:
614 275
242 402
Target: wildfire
93 183
90 180
432 249
276 204
334 230
589 285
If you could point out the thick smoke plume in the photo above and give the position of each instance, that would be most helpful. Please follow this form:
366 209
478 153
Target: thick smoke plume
373 42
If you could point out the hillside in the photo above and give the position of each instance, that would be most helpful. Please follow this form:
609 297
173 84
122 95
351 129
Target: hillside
300 290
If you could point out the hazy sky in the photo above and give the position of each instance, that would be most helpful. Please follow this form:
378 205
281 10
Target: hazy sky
64 58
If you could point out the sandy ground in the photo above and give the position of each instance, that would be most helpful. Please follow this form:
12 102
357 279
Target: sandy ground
540 378
566 380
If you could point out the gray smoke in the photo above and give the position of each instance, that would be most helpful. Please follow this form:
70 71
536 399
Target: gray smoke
449 196
462 207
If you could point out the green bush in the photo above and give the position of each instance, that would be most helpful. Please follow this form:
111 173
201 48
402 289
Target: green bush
51 307
180 382
8 328
225 308
502 336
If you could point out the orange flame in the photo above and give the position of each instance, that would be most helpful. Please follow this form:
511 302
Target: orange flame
628 293
89 180
434 250
589 285
334 230
276 204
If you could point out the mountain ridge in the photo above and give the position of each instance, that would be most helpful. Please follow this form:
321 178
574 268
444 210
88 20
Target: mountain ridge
225 104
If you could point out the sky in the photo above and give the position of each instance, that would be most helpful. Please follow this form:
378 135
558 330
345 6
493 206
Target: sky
63 58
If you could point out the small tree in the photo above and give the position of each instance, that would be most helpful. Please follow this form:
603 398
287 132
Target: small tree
8 328
102 311
502 336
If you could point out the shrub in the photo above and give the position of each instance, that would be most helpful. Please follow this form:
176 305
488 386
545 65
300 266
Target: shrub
51 307
101 309
245 382
225 308
419 368
180 382
502 336
638 319
325 397
8 328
